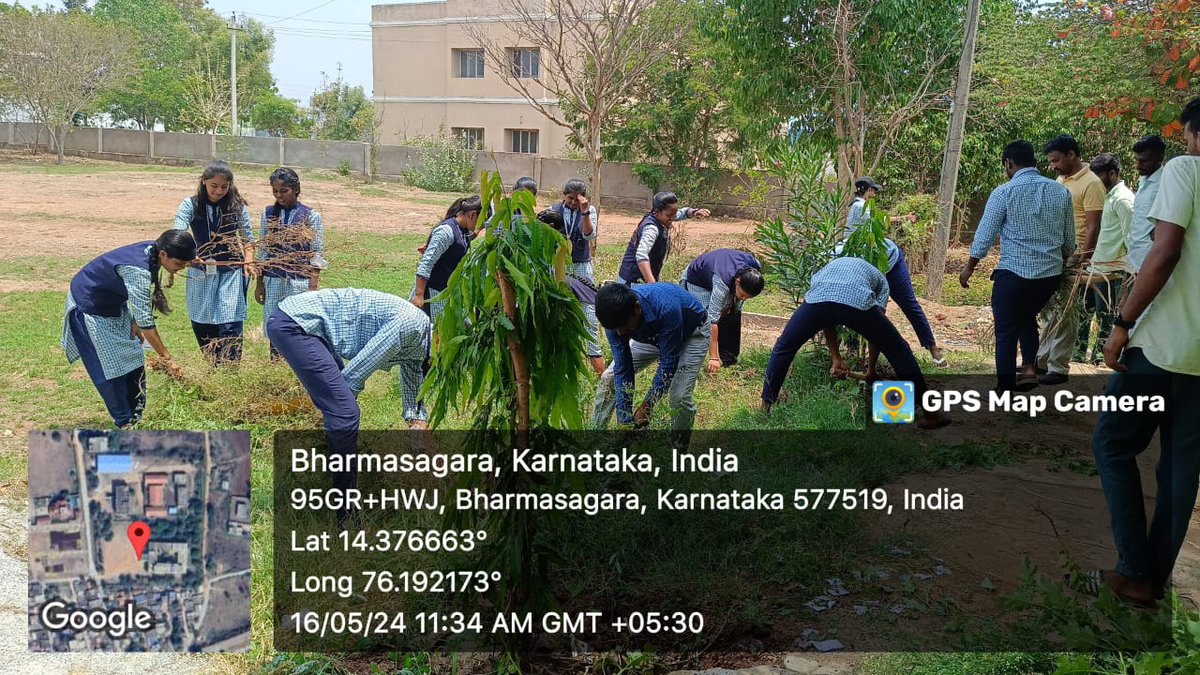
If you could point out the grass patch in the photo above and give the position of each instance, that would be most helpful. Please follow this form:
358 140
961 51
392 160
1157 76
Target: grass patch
958 664
954 295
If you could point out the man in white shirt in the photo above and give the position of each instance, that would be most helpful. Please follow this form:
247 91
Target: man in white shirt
1148 153
1158 357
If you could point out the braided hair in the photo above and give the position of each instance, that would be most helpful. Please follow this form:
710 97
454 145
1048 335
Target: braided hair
177 244
584 280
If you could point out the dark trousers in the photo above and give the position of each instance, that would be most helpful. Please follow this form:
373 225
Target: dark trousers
1016 302
124 396
729 338
320 371
811 318
1100 300
220 342
1149 554
901 292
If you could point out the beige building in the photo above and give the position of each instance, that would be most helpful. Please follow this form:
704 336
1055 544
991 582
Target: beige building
429 73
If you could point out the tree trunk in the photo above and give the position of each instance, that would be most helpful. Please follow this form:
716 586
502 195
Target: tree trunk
60 141
597 159
520 367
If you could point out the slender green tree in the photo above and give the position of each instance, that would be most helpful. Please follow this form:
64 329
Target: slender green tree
848 73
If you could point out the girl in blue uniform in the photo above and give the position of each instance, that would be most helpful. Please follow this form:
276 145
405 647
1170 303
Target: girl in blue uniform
110 314
216 290
446 247
651 240
291 245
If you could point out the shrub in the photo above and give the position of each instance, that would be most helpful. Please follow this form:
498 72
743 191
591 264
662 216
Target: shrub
802 241
915 238
344 168
443 165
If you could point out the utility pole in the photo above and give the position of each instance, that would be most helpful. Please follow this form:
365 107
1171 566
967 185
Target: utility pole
936 263
233 31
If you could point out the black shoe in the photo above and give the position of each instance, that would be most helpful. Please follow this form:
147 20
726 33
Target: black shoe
1051 379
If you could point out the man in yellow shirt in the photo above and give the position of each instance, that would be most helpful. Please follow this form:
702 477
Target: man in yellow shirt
1061 328
1156 352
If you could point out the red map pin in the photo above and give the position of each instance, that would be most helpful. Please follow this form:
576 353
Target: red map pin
139 534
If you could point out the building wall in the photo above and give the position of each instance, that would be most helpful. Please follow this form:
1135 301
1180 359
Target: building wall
416 86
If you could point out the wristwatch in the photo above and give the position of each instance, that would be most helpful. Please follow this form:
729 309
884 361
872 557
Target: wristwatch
1122 323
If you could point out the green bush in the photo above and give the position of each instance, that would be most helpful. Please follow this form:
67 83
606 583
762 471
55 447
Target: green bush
803 241
444 165
344 168
915 238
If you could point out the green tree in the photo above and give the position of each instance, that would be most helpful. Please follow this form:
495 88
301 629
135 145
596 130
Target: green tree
677 114
341 112
848 73
278 116
163 47
510 354
175 39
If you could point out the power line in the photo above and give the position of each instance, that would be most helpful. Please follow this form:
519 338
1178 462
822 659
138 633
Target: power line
307 11
281 18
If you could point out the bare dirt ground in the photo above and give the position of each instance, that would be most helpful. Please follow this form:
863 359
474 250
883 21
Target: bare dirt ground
84 213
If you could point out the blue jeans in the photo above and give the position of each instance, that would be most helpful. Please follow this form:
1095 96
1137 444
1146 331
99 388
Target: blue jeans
1149 555
901 291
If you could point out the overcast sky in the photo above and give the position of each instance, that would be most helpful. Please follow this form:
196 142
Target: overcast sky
313 36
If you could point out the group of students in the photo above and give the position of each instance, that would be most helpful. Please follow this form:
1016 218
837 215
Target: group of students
334 338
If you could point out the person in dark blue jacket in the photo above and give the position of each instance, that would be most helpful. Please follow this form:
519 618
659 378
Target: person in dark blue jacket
722 280
646 323
109 315
446 247
651 240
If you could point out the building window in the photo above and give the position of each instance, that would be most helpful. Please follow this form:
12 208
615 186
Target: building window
469 62
471 138
523 140
526 63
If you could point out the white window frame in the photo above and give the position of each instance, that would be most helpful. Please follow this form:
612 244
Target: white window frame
526 62
524 141
460 56
471 138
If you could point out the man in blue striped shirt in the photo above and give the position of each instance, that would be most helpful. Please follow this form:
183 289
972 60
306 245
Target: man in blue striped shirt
848 292
644 323
1034 220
